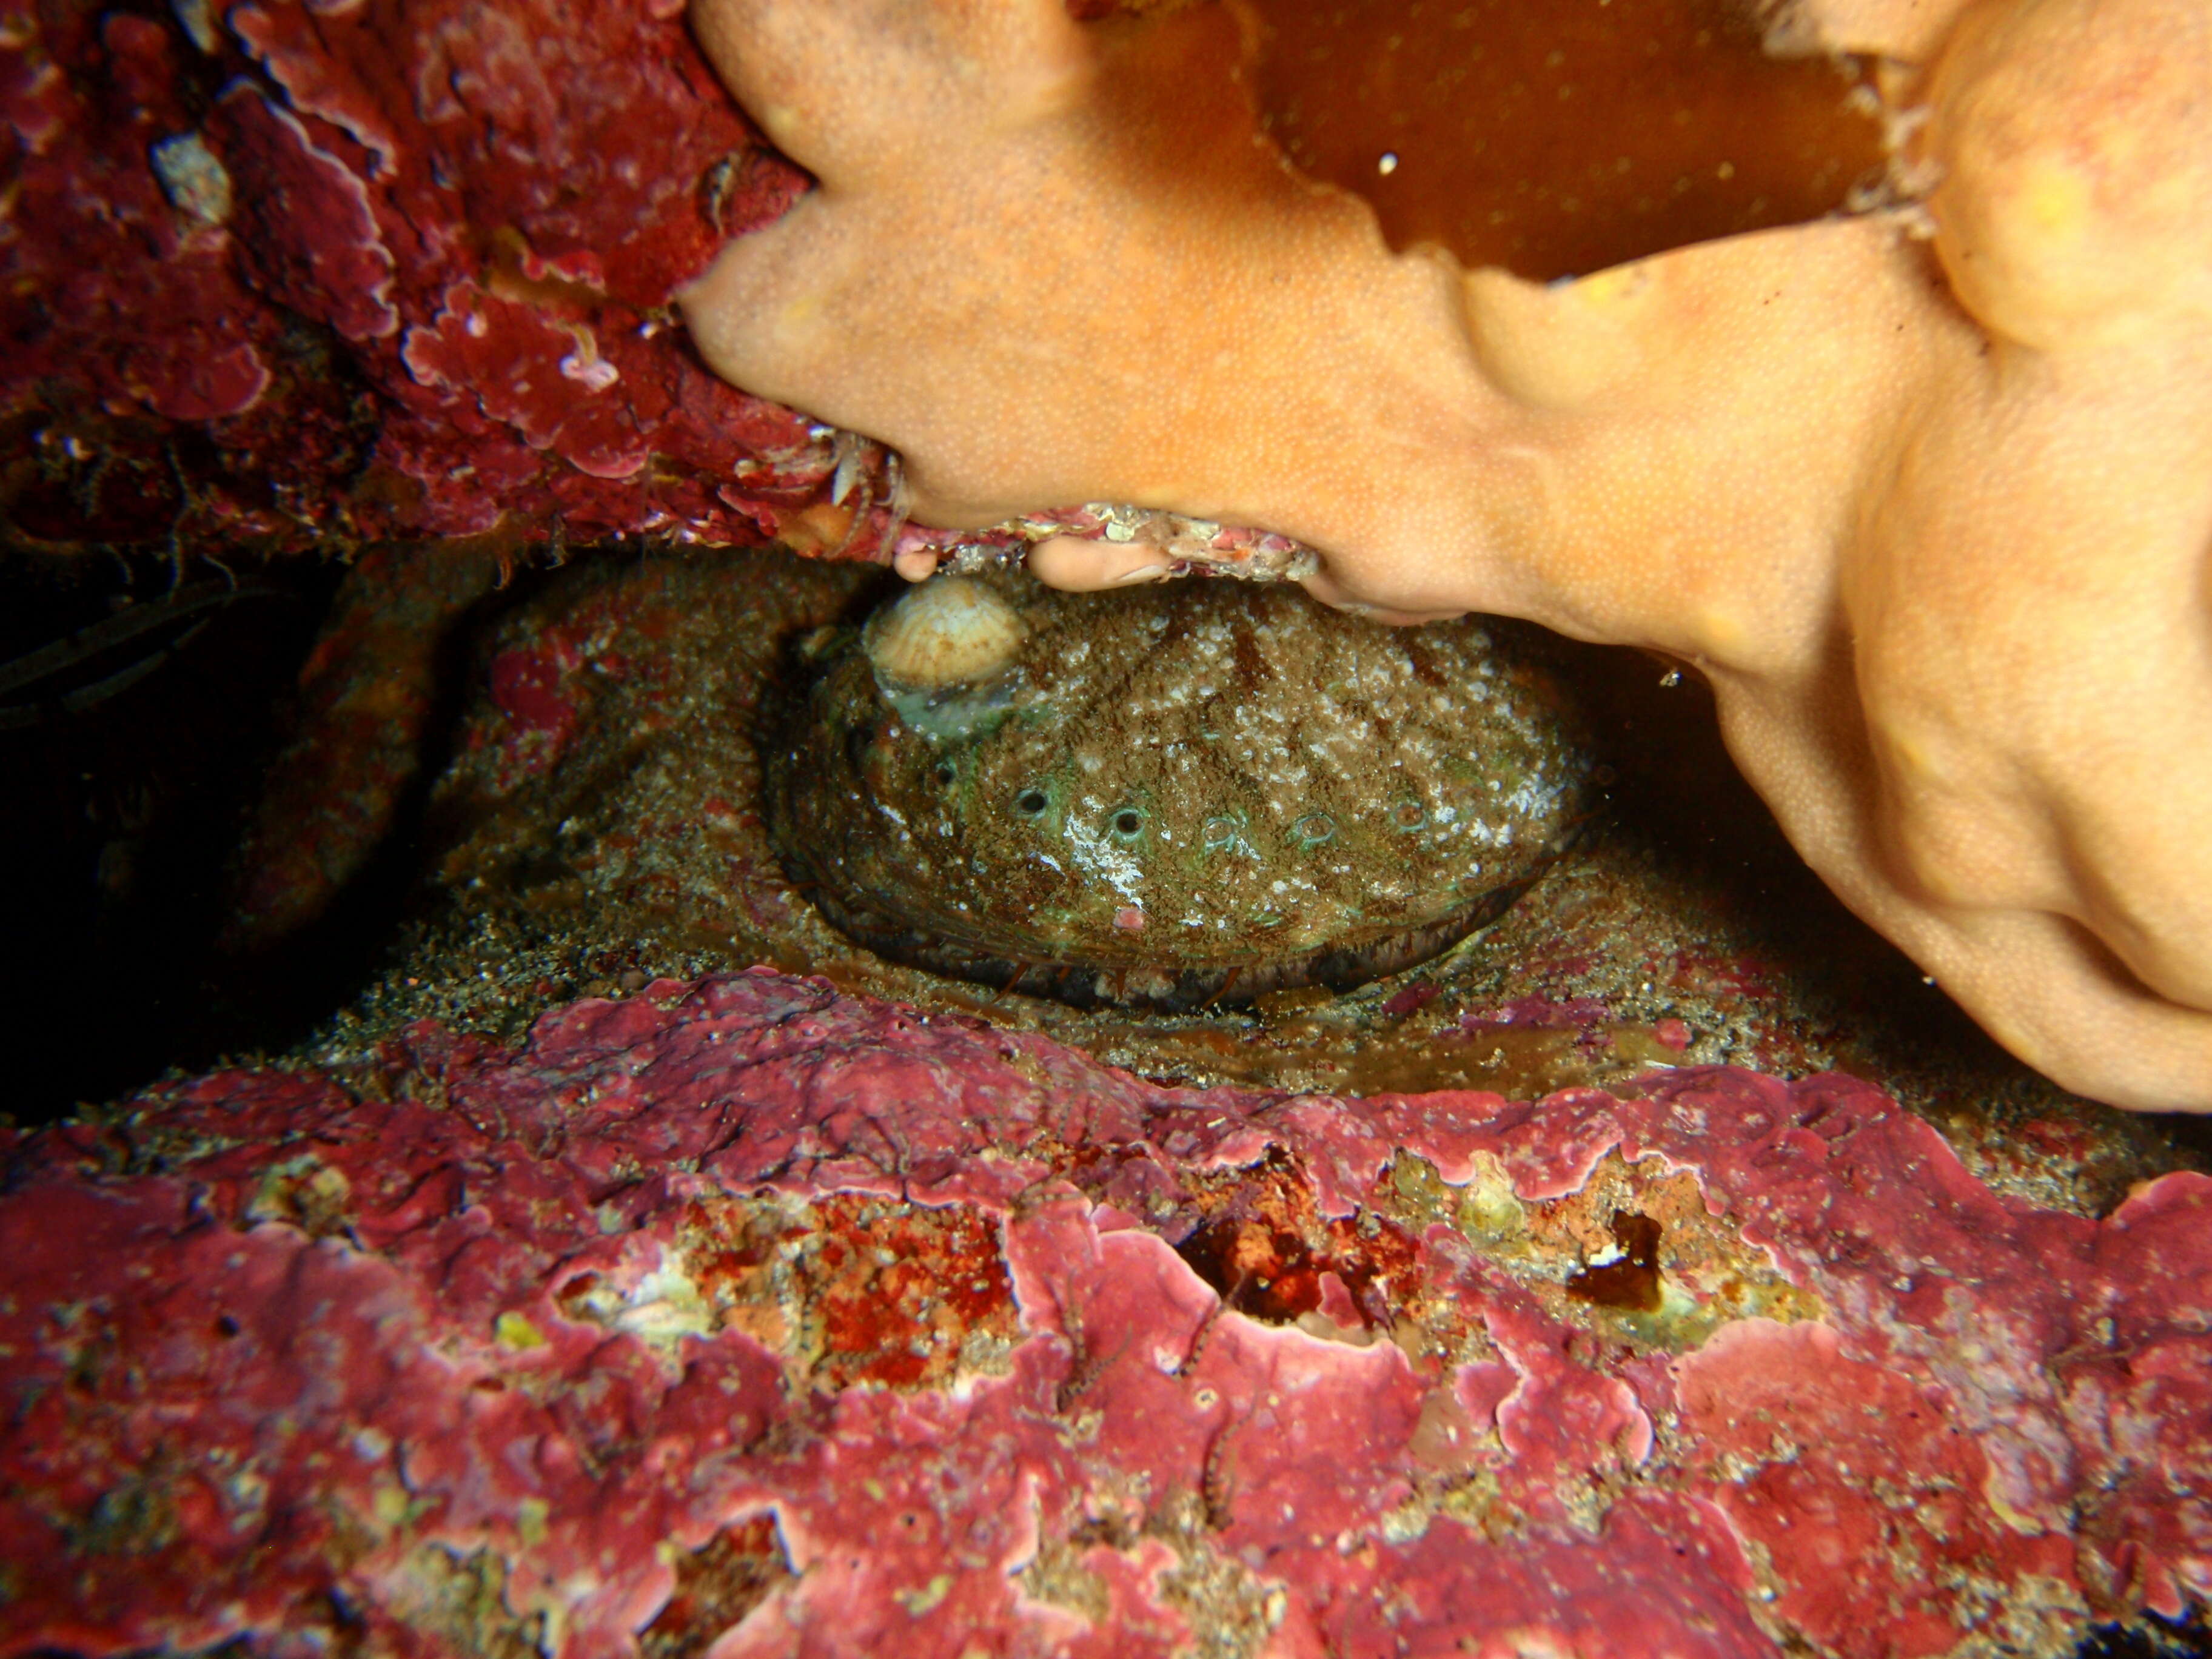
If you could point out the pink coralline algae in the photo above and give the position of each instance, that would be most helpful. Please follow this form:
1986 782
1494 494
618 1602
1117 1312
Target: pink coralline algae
283 273
752 1318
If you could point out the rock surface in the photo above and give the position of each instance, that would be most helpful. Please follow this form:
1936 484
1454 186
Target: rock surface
286 275
748 1316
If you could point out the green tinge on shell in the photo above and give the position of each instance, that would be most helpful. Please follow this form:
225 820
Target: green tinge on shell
1174 793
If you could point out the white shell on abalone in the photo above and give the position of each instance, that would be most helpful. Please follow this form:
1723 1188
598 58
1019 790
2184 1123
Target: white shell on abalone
949 630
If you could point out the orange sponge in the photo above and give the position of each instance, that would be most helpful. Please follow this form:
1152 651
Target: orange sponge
1932 514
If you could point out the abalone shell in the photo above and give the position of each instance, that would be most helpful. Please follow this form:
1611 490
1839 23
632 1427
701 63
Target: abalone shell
1170 794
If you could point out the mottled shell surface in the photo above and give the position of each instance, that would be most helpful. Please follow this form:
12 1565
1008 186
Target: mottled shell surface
1175 792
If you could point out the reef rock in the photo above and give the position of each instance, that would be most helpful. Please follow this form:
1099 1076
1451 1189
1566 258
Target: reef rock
285 275
747 1316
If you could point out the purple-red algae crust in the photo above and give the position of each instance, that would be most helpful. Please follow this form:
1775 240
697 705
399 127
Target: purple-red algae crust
283 273
749 1315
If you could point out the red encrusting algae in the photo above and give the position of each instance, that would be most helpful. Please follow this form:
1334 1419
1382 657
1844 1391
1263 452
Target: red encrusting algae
286 275
751 1313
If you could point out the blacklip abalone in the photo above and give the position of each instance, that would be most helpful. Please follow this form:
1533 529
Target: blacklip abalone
1172 793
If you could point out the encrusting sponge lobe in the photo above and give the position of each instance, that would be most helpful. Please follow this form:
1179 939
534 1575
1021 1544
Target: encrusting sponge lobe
1932 519
2068 236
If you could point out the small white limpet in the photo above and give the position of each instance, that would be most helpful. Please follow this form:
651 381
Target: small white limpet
949 630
